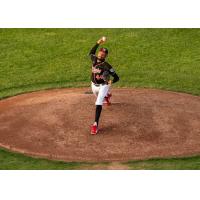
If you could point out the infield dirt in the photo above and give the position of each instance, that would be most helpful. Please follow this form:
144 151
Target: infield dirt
140 124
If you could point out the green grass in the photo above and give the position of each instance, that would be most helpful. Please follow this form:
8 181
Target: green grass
35 59
190 163
13 161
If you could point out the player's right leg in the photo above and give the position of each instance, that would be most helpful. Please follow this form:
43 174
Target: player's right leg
107 97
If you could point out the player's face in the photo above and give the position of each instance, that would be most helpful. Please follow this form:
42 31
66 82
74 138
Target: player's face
101 55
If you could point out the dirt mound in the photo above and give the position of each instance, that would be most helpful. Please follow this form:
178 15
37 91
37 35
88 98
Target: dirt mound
141 123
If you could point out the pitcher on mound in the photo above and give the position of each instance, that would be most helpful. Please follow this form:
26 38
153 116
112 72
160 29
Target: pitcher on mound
100 80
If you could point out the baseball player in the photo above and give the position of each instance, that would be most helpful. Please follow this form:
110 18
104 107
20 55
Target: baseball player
100 80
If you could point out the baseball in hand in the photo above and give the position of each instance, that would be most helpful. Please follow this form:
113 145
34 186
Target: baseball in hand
103 38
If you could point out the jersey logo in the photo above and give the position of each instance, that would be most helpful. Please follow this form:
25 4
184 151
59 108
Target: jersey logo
96 70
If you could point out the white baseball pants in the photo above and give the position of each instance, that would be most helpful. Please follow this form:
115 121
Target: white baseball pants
100 92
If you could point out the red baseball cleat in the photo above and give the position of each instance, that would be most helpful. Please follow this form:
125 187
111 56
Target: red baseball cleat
107 99
94 129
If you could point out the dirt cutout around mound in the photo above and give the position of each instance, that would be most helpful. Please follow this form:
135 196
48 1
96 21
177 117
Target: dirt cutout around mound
140 124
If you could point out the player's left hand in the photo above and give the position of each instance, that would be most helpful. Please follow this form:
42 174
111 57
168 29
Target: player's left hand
109 82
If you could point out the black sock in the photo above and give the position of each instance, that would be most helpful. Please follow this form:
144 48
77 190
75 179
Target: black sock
98 113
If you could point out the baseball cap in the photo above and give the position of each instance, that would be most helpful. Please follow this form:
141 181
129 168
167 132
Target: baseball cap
104 50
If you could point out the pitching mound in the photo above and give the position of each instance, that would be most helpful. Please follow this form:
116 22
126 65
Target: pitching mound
141 123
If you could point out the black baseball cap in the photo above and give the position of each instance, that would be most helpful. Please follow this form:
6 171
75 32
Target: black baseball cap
104 50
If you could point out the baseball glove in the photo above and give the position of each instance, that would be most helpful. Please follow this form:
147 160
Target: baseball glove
106 76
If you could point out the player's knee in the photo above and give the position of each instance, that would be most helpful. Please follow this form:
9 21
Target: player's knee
99 101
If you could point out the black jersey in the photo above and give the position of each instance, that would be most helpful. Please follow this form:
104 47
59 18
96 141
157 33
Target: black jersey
101 70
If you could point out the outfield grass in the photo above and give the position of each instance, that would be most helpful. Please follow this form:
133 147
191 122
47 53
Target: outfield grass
35 59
